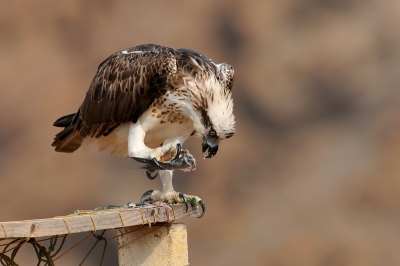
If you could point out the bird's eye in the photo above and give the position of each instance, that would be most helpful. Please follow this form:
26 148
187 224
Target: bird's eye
212 133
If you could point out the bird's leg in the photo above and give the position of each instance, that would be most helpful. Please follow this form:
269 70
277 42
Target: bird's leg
169 195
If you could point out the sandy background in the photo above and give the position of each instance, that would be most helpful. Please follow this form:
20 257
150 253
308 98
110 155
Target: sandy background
310 178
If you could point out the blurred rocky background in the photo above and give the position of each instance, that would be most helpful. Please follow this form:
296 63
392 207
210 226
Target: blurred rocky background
312 176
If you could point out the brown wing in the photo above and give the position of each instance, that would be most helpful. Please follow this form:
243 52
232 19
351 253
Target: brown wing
124 86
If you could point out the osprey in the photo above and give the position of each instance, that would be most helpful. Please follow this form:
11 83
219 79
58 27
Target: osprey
144 102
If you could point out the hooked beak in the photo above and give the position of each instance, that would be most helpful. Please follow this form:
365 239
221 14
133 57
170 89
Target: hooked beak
211 146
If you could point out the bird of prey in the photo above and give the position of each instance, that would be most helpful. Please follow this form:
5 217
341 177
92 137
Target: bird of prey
144 102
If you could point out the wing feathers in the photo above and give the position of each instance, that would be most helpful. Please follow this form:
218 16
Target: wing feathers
123 78
64 121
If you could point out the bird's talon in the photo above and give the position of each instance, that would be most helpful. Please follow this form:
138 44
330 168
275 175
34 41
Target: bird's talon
145 198
149 176
155 196
157 163
183 197
186 162
203 207
178 151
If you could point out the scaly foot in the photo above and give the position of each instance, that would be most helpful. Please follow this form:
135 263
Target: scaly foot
152 196
183 160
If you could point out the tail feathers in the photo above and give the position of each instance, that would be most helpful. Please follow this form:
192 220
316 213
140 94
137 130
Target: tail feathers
68 140
64 121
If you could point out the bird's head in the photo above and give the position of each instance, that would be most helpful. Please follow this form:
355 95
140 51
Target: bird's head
212 139
215 112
